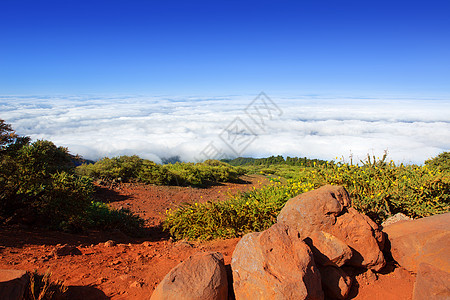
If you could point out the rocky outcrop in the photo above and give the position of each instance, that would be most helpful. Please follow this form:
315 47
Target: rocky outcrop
201 277
328 210
13 284
431 283
275 264
425 240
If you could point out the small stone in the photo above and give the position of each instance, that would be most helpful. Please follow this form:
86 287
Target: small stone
367 277
136 284
110 243
115 262
101 280
371 276
139 257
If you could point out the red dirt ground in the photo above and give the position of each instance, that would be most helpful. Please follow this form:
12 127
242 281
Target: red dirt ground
132 268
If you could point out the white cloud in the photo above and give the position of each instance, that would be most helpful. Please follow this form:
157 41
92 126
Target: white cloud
161 127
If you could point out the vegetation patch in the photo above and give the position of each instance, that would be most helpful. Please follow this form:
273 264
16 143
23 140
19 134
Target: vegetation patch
38 185
134 168
377 188
255 210
41 287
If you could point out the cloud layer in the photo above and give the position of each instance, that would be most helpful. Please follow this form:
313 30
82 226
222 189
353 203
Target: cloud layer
196 127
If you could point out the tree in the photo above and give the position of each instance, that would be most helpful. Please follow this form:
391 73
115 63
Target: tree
39 178
7 134
9 140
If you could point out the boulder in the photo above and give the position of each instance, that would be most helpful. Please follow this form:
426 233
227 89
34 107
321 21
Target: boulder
315 210
335 282
201 277
327 209
327 249
13 284
362 235
422 240
431 283
65 250
275 264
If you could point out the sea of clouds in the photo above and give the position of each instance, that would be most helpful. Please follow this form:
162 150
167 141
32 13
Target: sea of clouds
196 128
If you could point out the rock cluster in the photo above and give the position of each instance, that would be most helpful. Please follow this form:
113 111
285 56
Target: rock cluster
318 239
299 257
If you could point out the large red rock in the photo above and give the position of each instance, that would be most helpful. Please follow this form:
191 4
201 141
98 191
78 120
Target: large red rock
363 236
328 209
275 264
422 240
431 283
13 284
201 277
315 210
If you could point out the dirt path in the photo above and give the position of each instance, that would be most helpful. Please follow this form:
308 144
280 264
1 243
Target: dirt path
132 268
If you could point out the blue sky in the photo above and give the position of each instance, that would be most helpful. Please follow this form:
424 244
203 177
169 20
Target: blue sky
225 47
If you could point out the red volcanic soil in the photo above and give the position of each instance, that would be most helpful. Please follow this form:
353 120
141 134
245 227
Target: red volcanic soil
132 267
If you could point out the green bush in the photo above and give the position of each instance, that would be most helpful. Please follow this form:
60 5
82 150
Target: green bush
381 189
151 173
442 162
250 211
122 168
39 176
133 168
100 216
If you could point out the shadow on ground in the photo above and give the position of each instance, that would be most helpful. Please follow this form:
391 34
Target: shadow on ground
75 292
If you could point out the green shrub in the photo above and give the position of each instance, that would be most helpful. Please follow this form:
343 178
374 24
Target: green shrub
65 198
133 168
250 211
40 176
100 216
442 162
151 173
383 189
121 168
